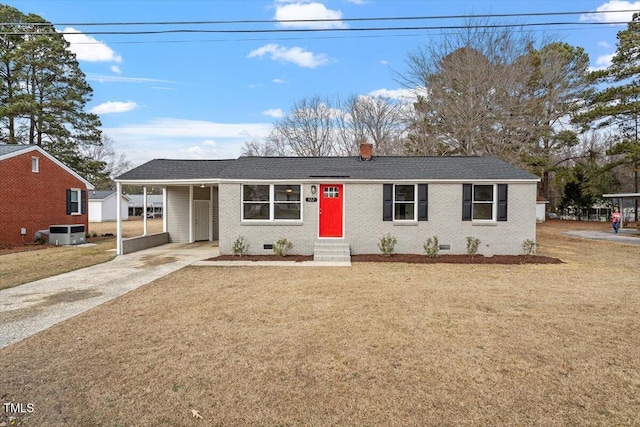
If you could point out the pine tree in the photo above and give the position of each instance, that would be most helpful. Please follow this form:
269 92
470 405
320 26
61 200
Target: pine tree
618 104
43 91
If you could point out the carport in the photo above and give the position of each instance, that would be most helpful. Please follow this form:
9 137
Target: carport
618 200
189 199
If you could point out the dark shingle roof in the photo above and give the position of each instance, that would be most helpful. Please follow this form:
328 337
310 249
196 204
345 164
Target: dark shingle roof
161 169
100 194
302 168
12 148
406 167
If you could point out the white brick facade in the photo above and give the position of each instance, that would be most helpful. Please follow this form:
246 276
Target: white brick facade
363 205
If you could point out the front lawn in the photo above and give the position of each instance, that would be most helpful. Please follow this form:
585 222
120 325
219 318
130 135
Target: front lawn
374 344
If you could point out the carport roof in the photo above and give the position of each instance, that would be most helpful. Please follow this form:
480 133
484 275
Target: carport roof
169 169
304 168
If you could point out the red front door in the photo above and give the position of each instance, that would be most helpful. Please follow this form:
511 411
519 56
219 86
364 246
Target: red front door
330 210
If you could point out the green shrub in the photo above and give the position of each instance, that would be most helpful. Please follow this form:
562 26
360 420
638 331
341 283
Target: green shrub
530 247
281 247
240 246
387 244
472 245
431 247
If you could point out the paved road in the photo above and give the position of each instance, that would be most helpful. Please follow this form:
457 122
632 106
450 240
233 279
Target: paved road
622 237
33 307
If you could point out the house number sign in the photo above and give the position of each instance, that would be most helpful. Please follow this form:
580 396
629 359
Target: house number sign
311 199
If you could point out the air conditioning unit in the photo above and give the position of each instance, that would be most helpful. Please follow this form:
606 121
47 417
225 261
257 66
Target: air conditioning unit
70 234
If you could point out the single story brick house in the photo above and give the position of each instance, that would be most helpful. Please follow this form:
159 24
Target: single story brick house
347 200
36 191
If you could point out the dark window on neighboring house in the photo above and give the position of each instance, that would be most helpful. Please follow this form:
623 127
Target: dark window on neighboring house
76 201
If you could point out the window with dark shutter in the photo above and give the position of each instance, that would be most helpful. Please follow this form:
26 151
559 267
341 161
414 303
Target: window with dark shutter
423 202
467 201
502 202
387 202
68 201
83 200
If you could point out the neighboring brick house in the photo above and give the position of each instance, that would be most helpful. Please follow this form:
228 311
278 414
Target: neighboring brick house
348 201
36 191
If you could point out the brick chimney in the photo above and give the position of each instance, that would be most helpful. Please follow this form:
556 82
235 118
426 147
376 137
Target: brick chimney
366 151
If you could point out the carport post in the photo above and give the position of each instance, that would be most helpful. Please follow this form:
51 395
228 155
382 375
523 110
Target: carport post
118 218
144 211
164 209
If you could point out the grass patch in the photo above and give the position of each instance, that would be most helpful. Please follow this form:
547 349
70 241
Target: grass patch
17 267
374 344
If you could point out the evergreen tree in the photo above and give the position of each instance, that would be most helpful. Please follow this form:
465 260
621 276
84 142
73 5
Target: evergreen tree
618 104
43 91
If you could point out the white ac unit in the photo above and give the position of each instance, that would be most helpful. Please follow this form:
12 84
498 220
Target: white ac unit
68 234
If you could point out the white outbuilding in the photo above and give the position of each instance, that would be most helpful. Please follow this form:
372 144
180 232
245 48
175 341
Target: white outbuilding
102 206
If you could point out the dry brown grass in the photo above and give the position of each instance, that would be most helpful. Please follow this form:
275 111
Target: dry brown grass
375 344
17 268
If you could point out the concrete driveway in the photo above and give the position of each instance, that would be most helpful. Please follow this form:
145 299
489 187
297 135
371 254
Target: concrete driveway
628 236
30 308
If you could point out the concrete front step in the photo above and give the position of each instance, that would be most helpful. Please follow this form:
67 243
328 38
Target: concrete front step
332 252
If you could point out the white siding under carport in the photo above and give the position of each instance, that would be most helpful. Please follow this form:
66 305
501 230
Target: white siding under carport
177 212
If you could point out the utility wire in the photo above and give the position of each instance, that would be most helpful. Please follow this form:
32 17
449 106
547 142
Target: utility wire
316 30
322 20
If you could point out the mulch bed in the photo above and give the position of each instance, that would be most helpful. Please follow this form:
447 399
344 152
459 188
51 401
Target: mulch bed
296 258
408 258
457 259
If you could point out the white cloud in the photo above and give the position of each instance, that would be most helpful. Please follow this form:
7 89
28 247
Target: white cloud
602 62
114 107
301 11
197 150
274 112
611 13
278 81
88 48
295 55
398 94
171 138
116 69
169 128
604 44
101 78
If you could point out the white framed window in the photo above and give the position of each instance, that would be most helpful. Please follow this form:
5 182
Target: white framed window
271 202
404 202
35 164
75 197
484 202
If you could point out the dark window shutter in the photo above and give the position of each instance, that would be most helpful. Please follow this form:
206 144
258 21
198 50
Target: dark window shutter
502 202
68 202
467 199
423 202
387 202
83 198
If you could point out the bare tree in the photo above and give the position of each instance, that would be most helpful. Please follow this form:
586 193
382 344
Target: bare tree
265 148
308 130
115 164
373 119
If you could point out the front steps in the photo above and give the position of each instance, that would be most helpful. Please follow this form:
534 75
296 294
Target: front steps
332 252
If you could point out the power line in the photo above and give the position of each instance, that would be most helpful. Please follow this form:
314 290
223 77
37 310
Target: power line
317 30
322 20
